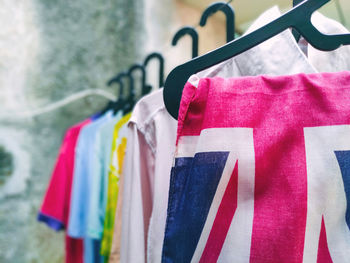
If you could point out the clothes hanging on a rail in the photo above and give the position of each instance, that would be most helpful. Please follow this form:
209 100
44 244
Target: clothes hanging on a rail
145 210
99 169
117 198
151 138
119 143
97 147
56 204
83 190
82 187
261 171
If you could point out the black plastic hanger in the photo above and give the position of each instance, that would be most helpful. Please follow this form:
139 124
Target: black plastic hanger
187 30
230 17
117 79
295 32
160 58
113 105
145 88
299 18
119 103
128 103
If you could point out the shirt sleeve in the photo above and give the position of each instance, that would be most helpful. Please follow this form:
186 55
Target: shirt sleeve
53 209
137 197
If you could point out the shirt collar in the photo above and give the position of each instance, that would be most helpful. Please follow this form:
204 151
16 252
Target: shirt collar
294 59
279 55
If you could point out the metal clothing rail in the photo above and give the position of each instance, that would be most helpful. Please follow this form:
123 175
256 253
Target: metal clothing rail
59 104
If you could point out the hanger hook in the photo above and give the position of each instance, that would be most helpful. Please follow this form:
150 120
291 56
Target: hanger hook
145 88
194 35
156 55
230 17
117 79
122 75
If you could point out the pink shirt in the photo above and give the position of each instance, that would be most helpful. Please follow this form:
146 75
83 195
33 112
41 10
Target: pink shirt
55 207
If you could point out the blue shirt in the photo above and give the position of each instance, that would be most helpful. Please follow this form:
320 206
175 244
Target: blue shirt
99 177
82 188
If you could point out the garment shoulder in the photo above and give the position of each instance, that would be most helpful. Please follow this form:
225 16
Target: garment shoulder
146 108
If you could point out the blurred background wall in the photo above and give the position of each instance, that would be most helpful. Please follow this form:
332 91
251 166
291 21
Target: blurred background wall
52 49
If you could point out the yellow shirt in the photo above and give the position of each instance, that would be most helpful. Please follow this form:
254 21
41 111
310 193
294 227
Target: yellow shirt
115 171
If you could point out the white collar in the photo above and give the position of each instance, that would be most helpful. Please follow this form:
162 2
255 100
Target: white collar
279 55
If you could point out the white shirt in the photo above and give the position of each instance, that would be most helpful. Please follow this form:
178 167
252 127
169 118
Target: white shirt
148 160
152 132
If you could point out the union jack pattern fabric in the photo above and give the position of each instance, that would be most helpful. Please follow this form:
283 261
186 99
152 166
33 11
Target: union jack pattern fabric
262 171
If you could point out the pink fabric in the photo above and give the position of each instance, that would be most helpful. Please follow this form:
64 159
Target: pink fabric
277 109
56 203
323 255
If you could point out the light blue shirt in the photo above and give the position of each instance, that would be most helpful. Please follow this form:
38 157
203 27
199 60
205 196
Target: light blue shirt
99 177
82 188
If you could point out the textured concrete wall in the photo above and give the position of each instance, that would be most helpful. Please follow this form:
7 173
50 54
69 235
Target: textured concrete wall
49 50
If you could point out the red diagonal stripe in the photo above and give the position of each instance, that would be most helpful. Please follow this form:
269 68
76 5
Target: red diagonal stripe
222 220
323 255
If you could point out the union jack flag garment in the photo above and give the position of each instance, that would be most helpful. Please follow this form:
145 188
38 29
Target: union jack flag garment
262 171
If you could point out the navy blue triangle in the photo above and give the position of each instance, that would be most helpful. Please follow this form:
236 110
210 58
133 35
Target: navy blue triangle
193 185
343 158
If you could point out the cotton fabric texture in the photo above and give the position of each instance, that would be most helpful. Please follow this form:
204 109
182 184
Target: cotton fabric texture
56 204
152 133
118 147
151 136
261 171
99 177
83 187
